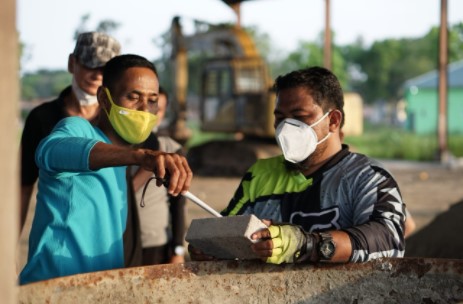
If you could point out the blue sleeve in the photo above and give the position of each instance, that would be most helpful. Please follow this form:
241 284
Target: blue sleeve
67 148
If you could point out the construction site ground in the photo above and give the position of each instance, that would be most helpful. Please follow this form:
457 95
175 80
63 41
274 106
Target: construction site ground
433 193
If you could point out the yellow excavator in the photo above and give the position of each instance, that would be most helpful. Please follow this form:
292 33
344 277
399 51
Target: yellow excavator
234 97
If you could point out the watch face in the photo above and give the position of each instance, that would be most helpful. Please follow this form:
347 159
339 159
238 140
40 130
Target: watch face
327 249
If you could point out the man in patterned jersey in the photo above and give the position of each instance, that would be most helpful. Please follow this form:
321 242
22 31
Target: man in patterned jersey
324 202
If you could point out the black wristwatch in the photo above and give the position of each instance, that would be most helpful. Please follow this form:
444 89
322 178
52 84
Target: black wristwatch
326 246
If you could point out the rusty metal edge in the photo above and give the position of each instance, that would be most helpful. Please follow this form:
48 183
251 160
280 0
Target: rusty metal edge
416 279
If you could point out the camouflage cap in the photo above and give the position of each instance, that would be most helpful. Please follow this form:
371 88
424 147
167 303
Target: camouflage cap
94 49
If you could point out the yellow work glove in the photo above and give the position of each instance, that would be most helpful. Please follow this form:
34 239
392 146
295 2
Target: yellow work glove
288 241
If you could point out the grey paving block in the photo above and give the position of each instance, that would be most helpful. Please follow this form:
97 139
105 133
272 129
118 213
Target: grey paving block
225 237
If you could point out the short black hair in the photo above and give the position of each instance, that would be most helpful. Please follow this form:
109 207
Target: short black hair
115 67
321 83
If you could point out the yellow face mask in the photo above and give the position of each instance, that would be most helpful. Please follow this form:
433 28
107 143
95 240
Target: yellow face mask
132 125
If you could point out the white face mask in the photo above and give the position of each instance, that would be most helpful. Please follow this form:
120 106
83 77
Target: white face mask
84 99
297 140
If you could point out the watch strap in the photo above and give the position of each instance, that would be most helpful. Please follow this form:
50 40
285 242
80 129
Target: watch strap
308 249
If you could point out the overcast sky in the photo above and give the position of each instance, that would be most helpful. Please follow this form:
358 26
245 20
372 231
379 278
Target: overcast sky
47 26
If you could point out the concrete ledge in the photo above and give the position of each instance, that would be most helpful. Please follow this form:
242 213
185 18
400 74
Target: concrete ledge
408 280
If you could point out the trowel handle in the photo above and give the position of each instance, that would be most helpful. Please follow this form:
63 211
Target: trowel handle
201 204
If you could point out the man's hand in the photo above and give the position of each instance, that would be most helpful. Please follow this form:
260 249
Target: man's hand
105 155
280 243
172 164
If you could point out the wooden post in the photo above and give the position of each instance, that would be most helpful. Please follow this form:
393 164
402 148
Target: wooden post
327 50
443 62
9 149
237 9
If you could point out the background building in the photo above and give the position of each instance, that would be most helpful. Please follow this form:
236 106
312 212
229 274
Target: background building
421 96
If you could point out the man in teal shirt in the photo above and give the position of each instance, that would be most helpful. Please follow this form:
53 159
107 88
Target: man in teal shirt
82 193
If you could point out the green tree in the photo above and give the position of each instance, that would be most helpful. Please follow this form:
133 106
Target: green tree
387 64
44 84
311 54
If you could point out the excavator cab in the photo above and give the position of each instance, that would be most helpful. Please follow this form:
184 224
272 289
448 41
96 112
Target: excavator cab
235 94
235 97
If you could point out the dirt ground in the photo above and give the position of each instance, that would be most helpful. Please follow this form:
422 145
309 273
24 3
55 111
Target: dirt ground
433 194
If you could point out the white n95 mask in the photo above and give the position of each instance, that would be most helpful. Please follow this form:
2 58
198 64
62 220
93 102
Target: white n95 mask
297 140
84 99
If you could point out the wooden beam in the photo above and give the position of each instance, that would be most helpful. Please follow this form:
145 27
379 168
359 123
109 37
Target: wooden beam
443 80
